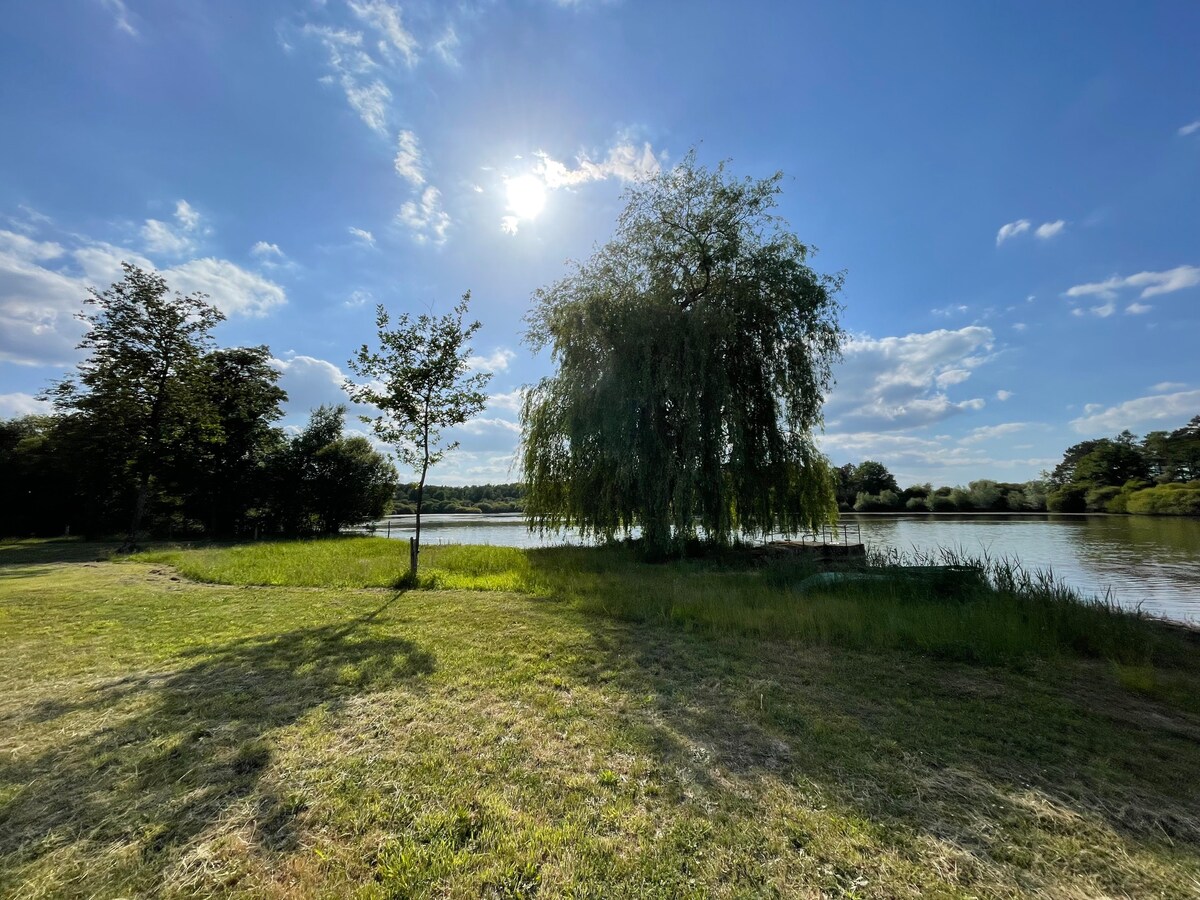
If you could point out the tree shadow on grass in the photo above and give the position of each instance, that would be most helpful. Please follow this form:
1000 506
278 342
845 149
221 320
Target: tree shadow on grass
996 763
159 757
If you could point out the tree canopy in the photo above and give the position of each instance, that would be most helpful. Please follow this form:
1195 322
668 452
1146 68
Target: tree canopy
139 383
693 354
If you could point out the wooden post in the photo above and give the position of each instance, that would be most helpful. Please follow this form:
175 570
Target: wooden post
412 555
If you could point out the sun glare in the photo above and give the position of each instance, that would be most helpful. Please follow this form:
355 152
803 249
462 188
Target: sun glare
526 196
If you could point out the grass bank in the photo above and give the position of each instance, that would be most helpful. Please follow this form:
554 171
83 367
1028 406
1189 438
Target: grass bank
1012 616
602 728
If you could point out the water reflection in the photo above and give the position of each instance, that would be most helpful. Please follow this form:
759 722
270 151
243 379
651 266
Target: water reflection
1142 560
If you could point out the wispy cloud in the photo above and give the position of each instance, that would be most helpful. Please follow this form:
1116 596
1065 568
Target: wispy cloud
1137 413
624 161
425 217
385 19
120 16
363 235
953 309
1189 128
408 159
263 250
173 239
1011 230
1003 395
446 47
1048 230
1043 232
354 70
991 432
1151 283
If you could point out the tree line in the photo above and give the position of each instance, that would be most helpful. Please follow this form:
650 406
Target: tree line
1157 474
160 431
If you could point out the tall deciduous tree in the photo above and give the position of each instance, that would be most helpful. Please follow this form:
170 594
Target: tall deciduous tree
421 382
693 351
138 386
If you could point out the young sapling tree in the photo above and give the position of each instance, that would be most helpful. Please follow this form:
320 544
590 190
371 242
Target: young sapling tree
420 381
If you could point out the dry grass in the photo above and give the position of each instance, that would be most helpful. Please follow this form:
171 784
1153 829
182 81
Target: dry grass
161 737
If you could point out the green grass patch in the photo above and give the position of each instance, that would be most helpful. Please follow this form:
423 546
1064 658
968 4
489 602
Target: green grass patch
1005 615
613 729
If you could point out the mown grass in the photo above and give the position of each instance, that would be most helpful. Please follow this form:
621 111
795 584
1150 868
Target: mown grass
165 737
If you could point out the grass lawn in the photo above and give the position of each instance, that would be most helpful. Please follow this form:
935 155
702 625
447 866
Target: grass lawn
279 720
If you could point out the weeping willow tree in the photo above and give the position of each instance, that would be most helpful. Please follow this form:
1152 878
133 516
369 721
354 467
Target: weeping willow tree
693 354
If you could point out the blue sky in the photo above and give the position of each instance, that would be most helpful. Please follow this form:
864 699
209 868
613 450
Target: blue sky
1011 188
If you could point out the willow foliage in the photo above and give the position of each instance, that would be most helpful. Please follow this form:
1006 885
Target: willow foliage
693 352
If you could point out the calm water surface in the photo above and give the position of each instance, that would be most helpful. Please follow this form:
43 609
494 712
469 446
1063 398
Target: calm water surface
1149 561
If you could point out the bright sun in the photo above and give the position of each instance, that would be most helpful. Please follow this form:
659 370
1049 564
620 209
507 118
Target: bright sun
526 196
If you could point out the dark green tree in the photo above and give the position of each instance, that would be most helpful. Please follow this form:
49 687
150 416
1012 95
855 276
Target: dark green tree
421 382
693 354
139 389
1110 464
229 467
324 480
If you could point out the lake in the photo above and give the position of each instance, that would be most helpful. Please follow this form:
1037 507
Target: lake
1151 561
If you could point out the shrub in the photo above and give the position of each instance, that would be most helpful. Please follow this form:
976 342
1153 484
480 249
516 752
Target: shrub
1098 499
1070 498
1167 500
917 504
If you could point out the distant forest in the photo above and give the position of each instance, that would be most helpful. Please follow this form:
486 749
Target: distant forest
477 498
1158 474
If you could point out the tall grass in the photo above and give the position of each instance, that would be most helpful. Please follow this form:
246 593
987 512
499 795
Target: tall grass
986 610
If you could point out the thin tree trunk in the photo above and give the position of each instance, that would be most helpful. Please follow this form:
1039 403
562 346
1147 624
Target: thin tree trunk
139 511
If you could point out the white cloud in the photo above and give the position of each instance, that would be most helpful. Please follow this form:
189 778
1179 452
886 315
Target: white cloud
353 69
483 425
1164 387
385 18
312 382
408 159
363 235
1048 230
1137 309
1190 128
1137 413
625 161
990 432
951 310
232 289
1003 395
1011 230
37 305
510 401
1019 326
264 251
894 383
446 46
177 239
952 376
120 15
357 299
44 285
496 361
370 101
425 217
509 224
1151 283
17 404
